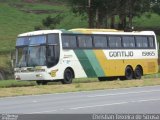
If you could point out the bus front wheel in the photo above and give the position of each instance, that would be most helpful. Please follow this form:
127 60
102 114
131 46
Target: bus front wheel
68 76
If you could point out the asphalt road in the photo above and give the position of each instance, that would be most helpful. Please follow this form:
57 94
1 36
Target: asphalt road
127 100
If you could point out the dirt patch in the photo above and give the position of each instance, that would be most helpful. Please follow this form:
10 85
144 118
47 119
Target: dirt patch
42 11
57 3
21 7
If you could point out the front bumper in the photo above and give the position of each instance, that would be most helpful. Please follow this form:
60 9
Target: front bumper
33 76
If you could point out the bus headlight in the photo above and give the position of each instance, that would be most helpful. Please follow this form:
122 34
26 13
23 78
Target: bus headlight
38 75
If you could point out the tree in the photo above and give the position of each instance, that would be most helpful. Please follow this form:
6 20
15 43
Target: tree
155 6
99 12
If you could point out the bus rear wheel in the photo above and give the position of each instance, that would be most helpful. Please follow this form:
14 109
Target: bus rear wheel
68 76
138 73
128 73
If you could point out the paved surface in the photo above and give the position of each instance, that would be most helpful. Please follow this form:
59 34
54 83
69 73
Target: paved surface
127 100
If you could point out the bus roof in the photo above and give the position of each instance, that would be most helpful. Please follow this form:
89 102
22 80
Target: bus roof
40 32
93 30
87 31
110 31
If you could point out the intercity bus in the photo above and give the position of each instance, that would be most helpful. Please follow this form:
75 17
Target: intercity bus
51 55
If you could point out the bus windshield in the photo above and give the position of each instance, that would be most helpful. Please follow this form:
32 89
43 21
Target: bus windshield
31 56
35 51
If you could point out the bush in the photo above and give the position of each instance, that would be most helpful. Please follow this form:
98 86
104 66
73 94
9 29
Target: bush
51 22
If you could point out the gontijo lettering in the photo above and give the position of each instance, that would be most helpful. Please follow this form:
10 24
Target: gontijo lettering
121 54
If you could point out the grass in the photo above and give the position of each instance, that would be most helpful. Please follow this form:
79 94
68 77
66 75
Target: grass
13 23
14 83
33 89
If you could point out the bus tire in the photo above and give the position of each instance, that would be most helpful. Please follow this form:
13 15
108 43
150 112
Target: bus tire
128 73
68 76
138 72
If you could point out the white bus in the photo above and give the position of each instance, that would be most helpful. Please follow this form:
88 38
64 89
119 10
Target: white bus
51 55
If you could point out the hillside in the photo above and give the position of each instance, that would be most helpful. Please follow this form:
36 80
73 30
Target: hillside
21 16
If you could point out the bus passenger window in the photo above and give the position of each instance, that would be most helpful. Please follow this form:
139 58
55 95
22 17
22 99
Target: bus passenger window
114 42
142 41
69 41
85 41
151 42
100 41
65 42
128 42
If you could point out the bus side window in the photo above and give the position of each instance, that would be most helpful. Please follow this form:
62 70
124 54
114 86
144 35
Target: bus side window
65 41
53 50
151 42
114 42
128 42
141 41
84 41
100 41
69 41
